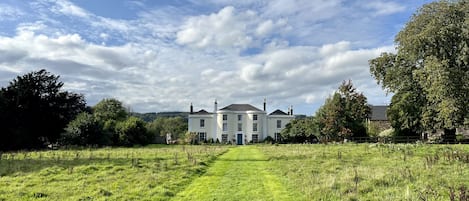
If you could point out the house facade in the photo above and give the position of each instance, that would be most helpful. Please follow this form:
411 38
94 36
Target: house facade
238 123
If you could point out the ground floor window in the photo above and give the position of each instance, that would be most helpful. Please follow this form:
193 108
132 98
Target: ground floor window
255 138
277 136
202 137
224 138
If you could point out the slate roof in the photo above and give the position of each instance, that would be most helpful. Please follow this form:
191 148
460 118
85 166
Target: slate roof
378 113
240 107
202 112
278 112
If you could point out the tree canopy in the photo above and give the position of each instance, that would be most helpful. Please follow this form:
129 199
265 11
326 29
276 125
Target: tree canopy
35 110
429 73
343 114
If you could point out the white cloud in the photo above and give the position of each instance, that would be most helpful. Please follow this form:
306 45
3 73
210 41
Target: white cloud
385 8
8 13
292 52
225 29
68 8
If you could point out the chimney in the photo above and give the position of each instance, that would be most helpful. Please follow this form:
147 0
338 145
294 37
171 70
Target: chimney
291 110
265 104
215 108
192 109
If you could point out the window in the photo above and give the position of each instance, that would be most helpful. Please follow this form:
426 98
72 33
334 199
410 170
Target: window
254 127
202 123
224 138
277 136
240 117
254 117
279 123
240 127
202 136
225 126
255 138
225 117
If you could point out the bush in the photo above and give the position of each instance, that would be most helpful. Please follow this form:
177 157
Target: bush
269 140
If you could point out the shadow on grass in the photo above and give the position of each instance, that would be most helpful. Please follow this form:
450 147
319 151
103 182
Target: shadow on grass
9 167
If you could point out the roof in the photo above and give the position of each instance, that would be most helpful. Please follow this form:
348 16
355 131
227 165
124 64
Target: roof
202 112
378 113
240 107
278 112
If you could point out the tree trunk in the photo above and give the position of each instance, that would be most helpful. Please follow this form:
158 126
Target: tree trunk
449 136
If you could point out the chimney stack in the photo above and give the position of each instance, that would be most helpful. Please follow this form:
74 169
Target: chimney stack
192 109
265 104
291 110
215 108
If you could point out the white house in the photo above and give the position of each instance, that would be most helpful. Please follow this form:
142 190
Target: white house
238 123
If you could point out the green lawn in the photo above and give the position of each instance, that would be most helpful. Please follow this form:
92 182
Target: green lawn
240 174
254 172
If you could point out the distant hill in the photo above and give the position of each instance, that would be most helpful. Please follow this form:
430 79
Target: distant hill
149 117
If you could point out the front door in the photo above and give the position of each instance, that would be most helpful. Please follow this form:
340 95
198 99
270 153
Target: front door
239 139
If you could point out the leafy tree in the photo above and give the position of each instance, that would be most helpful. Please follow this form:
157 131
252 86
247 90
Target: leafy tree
109 112
300 130
177 126
132 131
35 110
110 109
343 114
84 130
430 70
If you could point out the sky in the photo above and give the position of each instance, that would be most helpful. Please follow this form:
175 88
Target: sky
160 55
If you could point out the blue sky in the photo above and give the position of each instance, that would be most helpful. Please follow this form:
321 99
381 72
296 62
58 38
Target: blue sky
162 55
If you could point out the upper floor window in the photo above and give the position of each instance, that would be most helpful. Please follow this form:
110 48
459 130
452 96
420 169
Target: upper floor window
240 127
240 117
202 123
254 117
254 127
279 123
225 117
225 126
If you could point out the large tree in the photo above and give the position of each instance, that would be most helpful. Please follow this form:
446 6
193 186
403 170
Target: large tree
429 73
343 114
35 110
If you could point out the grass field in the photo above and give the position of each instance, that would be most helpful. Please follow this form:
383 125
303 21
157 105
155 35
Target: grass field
260 172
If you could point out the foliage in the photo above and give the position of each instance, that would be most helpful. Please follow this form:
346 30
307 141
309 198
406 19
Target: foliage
109 109
300 130
429 70
343 114
132 131
177 126
84 130
35 110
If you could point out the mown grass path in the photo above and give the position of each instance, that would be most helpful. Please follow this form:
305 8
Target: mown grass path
239 174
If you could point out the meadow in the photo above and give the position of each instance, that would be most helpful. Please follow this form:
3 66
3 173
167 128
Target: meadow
254 172
148 173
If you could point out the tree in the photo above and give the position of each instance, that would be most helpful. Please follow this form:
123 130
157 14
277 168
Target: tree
35 110
343 114
132 131
300 130
110 109
84 130
109 112
177 126
430 69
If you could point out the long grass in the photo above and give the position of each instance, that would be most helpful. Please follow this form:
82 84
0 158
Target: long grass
149 173
373 171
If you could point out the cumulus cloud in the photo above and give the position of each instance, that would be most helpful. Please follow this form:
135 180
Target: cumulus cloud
292 52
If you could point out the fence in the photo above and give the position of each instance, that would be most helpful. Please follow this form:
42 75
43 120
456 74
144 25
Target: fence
402 139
